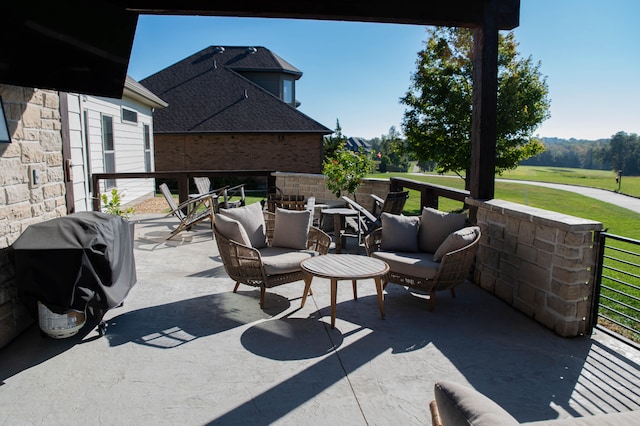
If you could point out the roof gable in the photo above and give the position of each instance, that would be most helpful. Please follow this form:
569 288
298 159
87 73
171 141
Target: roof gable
205 93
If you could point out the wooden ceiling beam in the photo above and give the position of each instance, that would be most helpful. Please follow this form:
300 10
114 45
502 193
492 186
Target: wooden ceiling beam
456 13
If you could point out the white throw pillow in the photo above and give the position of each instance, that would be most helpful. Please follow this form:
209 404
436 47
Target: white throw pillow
435 227
456 240
399 233
291 229
252 221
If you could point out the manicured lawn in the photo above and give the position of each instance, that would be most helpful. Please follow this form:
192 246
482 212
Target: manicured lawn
616 219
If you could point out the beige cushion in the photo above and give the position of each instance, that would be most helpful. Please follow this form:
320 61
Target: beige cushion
252 221
291 229
280 260
461 405
456 240
399 233
231 229
415 264
435 227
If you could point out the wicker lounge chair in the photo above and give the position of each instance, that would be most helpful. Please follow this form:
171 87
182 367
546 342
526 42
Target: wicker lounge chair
442 262
266 265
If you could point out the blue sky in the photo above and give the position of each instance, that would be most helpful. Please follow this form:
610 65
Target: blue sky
356 72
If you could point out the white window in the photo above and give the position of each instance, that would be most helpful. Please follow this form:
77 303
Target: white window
147 148
129 116
287 91
108 150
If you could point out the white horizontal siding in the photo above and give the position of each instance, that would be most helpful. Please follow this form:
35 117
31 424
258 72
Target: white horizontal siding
128 142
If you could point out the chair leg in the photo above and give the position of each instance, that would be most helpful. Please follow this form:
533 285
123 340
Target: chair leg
263 290
432 300
235 289
453 292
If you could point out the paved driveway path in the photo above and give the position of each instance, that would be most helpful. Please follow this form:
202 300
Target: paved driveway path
611 197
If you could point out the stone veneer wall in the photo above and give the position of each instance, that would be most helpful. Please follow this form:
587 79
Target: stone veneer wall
34 122
540 262
316 185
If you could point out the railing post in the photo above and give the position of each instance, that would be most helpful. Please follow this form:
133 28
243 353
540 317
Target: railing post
271 181
183 187
600 240
428 198
95 195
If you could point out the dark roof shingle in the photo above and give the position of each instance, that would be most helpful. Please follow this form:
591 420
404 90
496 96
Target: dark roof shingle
206 94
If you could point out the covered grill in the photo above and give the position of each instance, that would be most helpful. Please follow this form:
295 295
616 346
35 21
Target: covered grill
83 262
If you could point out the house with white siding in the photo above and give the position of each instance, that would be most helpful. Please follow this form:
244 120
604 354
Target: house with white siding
108 135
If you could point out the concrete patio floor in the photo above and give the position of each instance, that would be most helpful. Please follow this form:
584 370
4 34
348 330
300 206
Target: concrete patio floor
184 349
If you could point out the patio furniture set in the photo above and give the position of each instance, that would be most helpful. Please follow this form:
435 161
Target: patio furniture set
261 248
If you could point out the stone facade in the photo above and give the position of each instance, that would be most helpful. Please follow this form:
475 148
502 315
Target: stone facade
34 122
288 152
316 185
541 262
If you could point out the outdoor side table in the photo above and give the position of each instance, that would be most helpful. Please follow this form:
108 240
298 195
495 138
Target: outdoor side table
336 267
338 215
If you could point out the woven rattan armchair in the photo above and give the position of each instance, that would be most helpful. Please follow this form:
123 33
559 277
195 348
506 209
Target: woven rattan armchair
451 270
245 265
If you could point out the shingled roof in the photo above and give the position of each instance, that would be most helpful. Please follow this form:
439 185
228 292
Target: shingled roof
206 93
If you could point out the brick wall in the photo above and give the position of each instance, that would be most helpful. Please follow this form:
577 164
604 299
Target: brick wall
283 152
540 262
34 124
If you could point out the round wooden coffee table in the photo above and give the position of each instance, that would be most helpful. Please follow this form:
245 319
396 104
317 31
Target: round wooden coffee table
337 267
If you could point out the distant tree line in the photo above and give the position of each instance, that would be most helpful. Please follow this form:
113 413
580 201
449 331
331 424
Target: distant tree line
621 152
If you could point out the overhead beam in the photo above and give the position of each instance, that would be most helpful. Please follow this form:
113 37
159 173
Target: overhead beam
75 46
455 13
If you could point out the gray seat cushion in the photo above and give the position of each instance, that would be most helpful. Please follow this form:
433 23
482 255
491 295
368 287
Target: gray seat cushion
231 229
291 229
416 264
252 221
457 240
460 405
280 260
400 233
435 227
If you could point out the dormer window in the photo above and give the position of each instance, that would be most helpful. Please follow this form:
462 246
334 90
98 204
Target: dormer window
287 91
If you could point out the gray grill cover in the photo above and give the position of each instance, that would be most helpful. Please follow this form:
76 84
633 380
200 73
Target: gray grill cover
76 261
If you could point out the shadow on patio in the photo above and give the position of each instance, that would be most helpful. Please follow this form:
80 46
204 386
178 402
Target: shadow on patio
185 349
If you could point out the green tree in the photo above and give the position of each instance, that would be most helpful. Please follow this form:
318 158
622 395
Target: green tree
437 123
623 153
344 168
393 150
334 142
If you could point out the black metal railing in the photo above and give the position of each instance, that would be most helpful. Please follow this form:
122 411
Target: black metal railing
182 177
429 192
617 298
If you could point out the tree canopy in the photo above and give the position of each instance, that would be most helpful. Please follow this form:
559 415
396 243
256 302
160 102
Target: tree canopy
437 123
623 153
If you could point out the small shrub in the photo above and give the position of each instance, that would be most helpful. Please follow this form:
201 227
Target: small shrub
111 205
